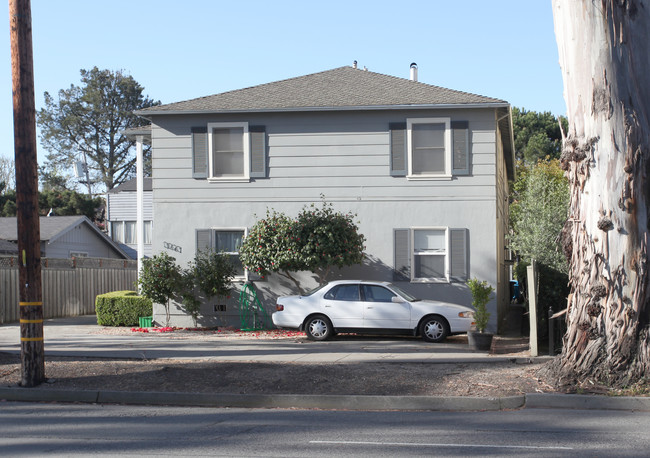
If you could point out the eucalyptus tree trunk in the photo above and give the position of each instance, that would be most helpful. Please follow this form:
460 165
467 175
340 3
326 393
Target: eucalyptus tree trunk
604 49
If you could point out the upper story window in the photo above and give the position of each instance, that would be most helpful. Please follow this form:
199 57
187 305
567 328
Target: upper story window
428 143
228 151
429 148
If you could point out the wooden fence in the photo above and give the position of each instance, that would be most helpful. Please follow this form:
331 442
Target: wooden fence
69 285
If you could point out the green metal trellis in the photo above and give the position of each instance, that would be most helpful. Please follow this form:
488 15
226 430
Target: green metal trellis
252 314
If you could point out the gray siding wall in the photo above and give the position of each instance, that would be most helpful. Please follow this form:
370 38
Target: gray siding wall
345 157
80 239
122 206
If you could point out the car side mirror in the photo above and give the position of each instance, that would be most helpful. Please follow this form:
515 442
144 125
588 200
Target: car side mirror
397 299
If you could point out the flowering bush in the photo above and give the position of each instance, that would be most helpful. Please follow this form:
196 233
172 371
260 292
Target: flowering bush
317 240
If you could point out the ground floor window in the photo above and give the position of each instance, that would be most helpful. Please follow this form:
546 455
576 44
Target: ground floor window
430 254
228 241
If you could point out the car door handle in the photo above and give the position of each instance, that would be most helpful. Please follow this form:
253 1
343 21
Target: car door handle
369 307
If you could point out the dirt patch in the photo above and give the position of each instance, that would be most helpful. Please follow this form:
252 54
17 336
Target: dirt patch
202 376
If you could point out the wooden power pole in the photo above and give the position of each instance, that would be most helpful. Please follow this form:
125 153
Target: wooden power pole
32 349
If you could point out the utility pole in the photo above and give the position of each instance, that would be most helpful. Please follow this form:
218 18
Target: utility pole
32 349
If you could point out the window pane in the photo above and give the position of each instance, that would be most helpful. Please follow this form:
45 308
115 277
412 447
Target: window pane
117 231
428 148
129 233
228 148
428 135
347 293
229 241
429 266
344 293
374 293
428 161
146 233
430 239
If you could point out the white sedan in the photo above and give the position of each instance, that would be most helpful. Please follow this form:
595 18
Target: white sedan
371 308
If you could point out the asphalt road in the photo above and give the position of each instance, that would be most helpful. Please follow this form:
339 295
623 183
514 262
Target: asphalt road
130 431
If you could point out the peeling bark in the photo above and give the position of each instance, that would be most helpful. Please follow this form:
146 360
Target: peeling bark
604 48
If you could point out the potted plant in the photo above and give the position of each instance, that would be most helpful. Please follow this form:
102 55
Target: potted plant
481 291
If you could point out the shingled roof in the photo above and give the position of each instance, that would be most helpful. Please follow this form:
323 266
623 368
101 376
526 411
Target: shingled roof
340 88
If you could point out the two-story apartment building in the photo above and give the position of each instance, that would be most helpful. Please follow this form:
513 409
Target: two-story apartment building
424 168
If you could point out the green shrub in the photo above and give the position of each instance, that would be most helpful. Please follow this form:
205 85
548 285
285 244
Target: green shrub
121 308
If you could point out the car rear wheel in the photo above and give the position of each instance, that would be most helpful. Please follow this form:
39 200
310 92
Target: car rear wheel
434 329
318 327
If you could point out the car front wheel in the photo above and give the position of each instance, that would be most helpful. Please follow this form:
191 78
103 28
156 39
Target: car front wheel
434 329
318 328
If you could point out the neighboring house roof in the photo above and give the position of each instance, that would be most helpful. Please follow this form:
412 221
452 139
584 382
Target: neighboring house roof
132 186
54 227
7 247
340 88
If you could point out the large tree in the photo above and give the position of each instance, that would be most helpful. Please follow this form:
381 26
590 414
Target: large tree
7 174
537 135
88 122
604 49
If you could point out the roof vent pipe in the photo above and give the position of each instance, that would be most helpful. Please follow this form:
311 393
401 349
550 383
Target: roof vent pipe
414 71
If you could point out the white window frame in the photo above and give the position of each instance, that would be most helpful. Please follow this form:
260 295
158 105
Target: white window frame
446 255
117 233
246 151
78 254
242 278
447 174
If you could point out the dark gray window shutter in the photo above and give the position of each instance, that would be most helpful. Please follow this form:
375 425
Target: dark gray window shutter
204 240
200 152
402 255
258 151
460 147
458 254
398 157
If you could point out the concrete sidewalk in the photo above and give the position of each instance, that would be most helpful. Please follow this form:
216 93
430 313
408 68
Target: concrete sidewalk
81 336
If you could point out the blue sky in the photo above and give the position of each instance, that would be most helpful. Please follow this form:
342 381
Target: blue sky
179 50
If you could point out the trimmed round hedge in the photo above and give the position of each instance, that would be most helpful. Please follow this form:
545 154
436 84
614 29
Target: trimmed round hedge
121 308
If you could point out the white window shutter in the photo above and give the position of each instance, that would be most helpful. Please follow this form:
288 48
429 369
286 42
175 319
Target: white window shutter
458 255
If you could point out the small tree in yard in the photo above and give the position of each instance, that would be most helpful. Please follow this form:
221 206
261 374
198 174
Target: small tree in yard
160 279
211 273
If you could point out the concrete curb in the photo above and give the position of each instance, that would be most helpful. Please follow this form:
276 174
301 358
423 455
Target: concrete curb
586 402
333 402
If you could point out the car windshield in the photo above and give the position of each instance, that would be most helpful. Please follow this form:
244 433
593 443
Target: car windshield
404 294
309 293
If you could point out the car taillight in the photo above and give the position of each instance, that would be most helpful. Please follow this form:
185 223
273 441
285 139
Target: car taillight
279 307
